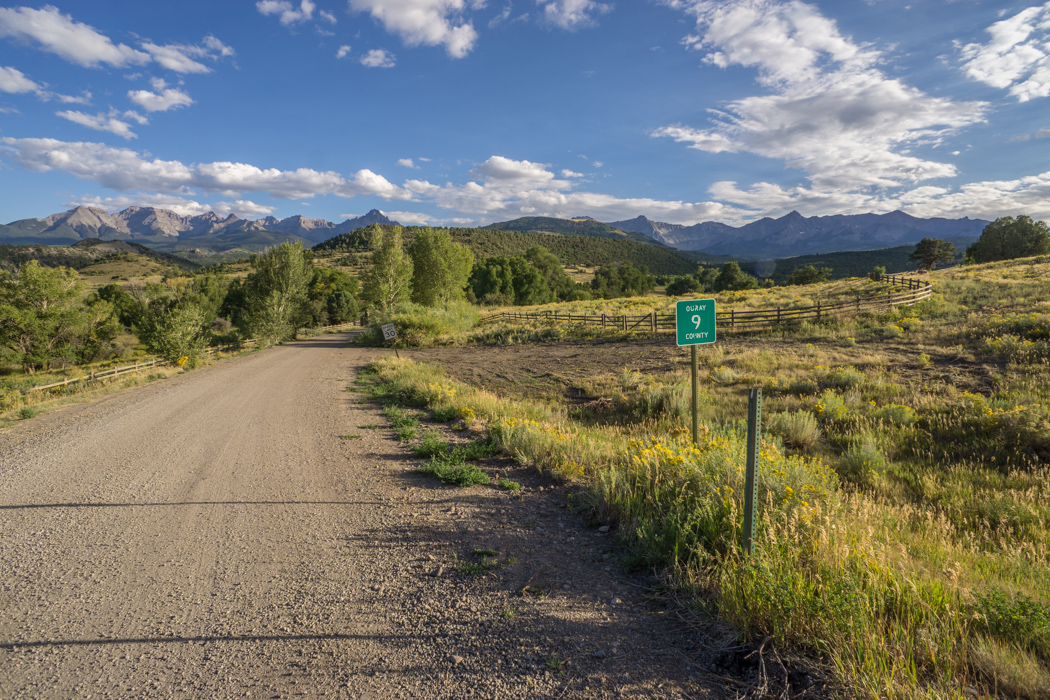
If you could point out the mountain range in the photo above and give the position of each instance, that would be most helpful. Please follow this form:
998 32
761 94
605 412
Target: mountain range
166 230
767 238
794 234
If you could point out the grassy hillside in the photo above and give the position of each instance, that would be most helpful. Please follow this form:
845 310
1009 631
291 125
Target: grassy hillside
89 253
903 480
572 250
858 263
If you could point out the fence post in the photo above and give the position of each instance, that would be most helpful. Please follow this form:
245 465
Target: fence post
818 310
778 316
603 320
652 322
754 422
732 318
625 321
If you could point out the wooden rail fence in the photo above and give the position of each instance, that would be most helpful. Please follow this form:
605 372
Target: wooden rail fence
733 320
155 362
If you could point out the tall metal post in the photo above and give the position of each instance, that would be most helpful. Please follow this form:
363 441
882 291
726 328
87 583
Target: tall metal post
754 422
696 396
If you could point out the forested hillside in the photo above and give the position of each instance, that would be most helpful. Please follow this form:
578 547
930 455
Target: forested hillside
573 251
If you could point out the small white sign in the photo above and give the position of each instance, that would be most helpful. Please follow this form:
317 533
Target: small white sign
389 332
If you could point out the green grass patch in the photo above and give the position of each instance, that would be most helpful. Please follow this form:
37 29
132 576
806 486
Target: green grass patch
349 437
458 473
430 445
508 485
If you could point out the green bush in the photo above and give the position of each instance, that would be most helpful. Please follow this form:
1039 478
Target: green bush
863 462
831 406
802 387
896 414
843 378
798 429
431 445
454 472
1015 619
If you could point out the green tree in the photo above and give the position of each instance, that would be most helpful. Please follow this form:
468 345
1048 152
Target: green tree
809 274
440 267
1007 238
623 280
43 321
683 286
548 263
930 251
333 296
732 278
389 283
492 281
174 331
276 292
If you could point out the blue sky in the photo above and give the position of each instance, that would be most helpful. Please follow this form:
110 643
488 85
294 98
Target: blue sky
456 112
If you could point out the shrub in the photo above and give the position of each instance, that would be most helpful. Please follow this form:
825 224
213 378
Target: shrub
843 378
896 414
802 387
863 462
431 445
831 406
723 375
453 472
798 429
892 332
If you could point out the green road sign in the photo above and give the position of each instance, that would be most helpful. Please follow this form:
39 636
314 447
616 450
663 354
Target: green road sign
695 321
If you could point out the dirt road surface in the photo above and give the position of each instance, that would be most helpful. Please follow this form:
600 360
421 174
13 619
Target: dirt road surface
212 536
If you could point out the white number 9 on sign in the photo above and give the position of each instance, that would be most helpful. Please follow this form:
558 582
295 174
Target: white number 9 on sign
696 320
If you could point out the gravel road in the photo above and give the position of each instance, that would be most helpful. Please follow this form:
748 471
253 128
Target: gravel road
212 536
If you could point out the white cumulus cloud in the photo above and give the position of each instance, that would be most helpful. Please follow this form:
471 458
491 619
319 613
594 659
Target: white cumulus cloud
100 122
343 51
504 188
830 112
1016 57
378 58
61 35
245 209
289 14
83 98
126 170
426 22
407 163
572 14
161 101
15 82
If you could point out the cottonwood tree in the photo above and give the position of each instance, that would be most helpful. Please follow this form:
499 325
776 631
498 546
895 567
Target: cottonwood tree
43 320
276 292
440 267
930 251
389 283
731 278
810 274
1007 238
174 331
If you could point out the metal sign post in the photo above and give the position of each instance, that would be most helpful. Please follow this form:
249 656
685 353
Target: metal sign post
754 423
695 325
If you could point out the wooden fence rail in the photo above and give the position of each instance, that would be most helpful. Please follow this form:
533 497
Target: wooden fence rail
734 320
154 362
